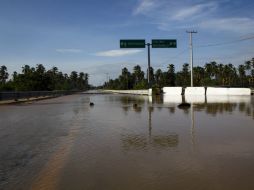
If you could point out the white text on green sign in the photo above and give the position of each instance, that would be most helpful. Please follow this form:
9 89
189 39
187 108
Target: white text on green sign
164 43
132 43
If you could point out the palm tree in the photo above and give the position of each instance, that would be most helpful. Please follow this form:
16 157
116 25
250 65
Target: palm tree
221 76
171 75
54 70
40 69
14 75
186 74
199 75
208 70
159 77
26 69
124 78
138 74
211 73
241 70
3 74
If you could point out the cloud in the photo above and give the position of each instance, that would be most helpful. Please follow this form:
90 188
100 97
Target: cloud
69 50
194 11
145 6
237 25
117 53
187 14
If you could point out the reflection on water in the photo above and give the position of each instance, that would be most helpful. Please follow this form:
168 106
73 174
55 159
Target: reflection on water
228 99
195 99
141 142
210 104
216 103
171 109
137 108
172 99
131 142
148 143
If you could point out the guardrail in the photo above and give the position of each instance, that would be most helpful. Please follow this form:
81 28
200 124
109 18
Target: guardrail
32 94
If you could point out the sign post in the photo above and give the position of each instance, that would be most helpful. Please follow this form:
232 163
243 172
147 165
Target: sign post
148 72
156 43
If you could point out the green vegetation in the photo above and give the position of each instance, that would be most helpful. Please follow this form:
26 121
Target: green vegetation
212 74
39 79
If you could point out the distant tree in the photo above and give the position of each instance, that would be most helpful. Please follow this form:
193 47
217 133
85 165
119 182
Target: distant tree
185 75
3 74
171 75
220 74
158 78
211 74
14 75
83 81
198 76
241 70
138 75
125 79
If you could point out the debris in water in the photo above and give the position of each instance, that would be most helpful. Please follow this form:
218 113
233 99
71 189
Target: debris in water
184 106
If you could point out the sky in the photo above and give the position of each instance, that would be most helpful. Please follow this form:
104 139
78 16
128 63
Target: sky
84 35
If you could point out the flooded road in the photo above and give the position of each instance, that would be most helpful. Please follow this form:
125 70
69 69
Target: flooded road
64 143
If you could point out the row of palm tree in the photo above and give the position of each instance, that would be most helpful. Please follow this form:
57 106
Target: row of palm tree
211 74
39 79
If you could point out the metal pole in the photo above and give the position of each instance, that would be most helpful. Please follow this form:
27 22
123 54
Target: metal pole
191 55
148 72
191 59
150 122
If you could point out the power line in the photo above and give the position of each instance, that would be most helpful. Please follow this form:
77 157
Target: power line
226 43
172 58
208 45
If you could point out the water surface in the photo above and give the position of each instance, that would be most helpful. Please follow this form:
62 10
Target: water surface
64 143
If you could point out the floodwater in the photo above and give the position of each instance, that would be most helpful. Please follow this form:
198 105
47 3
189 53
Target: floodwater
63 143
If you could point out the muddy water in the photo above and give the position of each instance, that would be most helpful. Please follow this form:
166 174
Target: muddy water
64 143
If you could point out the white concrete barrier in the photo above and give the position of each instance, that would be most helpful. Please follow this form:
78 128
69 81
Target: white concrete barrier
228 91
216 91
172 90
239 91
194 91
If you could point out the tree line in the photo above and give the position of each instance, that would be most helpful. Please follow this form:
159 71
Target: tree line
39 79
211 74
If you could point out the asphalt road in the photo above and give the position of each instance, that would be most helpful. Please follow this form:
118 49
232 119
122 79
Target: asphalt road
127 142
30 133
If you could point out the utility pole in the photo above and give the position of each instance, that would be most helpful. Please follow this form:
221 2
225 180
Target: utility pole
107 77
191 54
148 72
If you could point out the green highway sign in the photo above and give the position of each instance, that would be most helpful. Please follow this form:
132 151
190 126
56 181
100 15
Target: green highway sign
132 43
164 43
